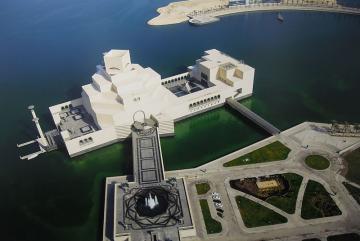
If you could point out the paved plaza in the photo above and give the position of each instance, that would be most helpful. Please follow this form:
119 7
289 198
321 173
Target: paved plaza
303 140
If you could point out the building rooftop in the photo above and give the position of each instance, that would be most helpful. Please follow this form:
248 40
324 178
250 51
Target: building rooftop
267 184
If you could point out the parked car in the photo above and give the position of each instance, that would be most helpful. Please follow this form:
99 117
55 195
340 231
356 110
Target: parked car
218 205
216 197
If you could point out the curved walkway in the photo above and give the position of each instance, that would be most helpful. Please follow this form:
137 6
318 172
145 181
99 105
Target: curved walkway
285 7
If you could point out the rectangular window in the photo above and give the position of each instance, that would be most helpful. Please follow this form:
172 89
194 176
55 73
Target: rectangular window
204 76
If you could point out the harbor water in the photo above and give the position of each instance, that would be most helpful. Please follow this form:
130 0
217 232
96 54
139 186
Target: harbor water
307 69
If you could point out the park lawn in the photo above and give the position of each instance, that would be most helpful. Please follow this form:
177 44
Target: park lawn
202 188
353 161
344 237
317 202
212 226
353 191
256 215
287 202
272 152
317 162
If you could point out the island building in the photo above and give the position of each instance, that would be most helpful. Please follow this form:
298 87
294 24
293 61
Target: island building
104 113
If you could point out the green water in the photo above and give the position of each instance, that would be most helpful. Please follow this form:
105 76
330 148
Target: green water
306 69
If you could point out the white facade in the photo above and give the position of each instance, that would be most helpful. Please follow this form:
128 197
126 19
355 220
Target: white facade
121 88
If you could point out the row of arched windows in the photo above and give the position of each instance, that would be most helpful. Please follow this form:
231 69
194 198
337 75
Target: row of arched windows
66 107
175 79
86 140
204 101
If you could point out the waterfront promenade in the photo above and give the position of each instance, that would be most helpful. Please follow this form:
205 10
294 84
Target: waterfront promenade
304 139
175 16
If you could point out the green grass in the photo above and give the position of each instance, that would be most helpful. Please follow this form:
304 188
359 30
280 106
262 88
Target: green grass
255 215
287 202
317 202
212 226
353 191
353 161
272 152
202 188
344 237
317 162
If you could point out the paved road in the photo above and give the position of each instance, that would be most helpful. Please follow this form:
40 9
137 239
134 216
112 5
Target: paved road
303 141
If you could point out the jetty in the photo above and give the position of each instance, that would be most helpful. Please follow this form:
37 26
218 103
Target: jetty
252 116
45 142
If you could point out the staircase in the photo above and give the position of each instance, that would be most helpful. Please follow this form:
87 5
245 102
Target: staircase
166 127
123 131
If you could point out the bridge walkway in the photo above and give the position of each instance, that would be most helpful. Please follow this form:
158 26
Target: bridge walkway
268 127
147 158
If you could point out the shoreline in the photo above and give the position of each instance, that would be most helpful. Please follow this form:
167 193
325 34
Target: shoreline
170 15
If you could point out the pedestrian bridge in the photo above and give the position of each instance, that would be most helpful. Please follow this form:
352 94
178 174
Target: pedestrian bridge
147 159
252 116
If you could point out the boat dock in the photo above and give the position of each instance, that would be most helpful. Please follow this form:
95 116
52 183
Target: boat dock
46 142
268 127
202 20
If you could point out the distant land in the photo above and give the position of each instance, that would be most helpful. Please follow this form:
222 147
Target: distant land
182 11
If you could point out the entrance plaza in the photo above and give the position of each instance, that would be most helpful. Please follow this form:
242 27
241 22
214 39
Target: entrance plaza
147 206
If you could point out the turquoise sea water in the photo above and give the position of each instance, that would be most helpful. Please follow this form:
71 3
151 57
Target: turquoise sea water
306 69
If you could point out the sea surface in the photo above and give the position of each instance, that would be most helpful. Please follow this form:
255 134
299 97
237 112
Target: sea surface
307 69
